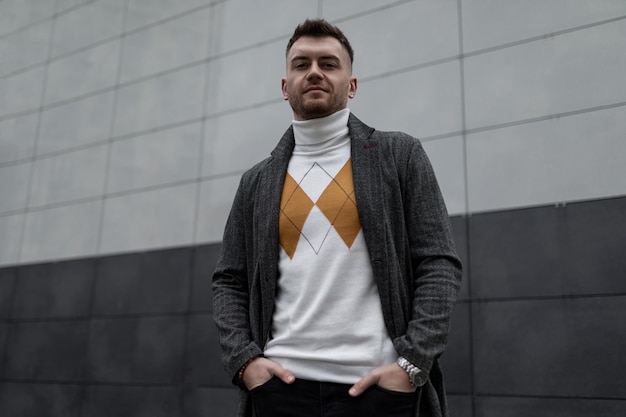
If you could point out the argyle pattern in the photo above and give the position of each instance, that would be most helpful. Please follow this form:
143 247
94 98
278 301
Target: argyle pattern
313 206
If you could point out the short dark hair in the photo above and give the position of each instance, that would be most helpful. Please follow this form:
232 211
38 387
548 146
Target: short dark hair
319 28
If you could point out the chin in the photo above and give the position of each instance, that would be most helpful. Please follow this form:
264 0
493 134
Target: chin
313 113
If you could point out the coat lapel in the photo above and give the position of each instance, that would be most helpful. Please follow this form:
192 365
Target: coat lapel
366 160
267 210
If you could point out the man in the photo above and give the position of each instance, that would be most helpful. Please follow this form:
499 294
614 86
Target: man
338 273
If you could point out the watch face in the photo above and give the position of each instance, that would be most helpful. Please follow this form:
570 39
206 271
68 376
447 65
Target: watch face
418 379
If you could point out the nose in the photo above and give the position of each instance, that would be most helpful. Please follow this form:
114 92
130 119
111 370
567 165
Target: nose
315 71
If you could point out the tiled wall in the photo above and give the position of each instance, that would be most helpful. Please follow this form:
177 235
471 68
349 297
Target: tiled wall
123 335
126 124
540 311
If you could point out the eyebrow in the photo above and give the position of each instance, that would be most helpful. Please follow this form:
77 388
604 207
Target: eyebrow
308 57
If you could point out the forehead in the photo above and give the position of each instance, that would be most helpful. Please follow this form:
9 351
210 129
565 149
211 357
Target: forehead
311 47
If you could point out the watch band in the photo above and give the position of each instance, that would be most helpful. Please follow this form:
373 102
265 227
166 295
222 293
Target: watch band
416 376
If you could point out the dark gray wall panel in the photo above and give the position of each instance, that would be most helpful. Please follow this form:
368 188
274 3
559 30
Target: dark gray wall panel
456 361
205 367
4 330
543 295
61 289
569 347
7 283
137 350
118 401
211 402
546 251
596 245
459 226
149 282
460 405
516 253
204 264
552 407
39 400
46 350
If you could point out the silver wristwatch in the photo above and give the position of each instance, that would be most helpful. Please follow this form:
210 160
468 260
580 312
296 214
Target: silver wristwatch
416 375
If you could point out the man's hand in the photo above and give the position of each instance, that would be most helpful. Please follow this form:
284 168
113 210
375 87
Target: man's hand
261 370
390 377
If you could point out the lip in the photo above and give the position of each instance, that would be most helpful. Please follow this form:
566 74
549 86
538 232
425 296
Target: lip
316 88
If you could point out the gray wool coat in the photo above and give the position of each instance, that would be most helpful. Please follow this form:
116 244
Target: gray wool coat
409 240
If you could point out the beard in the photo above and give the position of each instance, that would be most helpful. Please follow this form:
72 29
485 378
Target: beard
306 108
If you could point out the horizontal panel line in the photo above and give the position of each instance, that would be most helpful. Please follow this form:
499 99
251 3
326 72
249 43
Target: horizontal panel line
485 300
123 33
118 194
81 383
544 118
108 317
550 397
556 204
541 37
45 19
201 119
370 11
275 39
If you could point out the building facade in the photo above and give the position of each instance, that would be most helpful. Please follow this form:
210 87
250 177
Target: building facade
125 126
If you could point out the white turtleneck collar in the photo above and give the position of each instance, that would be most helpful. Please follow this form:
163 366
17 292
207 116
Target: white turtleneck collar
313 134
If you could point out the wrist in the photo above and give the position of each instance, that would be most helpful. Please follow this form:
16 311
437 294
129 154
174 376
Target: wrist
417 377
242 370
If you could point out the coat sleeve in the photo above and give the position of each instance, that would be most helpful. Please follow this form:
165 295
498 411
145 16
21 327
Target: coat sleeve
434 264
231 290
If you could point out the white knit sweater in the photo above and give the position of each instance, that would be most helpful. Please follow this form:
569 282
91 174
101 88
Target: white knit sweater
328 323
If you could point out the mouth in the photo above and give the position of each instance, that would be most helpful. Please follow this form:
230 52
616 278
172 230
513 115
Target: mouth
315 89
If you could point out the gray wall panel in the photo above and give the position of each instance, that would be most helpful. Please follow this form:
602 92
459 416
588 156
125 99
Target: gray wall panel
563 341
17 138
54 290
46 351
151 282
139 351
595 243
116 401
460 405
7 285
30 399
205 367
517 253
459 227
553 407
202 402
204 262
457 359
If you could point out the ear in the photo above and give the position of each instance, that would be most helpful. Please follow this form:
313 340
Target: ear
283 86
352 87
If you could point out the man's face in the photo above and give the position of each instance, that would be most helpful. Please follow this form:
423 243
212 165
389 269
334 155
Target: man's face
319 77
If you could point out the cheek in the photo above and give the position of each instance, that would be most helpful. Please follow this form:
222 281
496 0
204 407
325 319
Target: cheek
290 86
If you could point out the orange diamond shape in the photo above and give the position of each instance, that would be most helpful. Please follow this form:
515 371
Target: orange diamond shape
338 204
295 207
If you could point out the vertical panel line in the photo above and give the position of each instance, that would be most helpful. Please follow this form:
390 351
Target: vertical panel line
33 159
100 225
468 245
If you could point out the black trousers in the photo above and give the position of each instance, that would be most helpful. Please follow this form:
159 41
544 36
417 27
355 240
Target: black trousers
325 399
